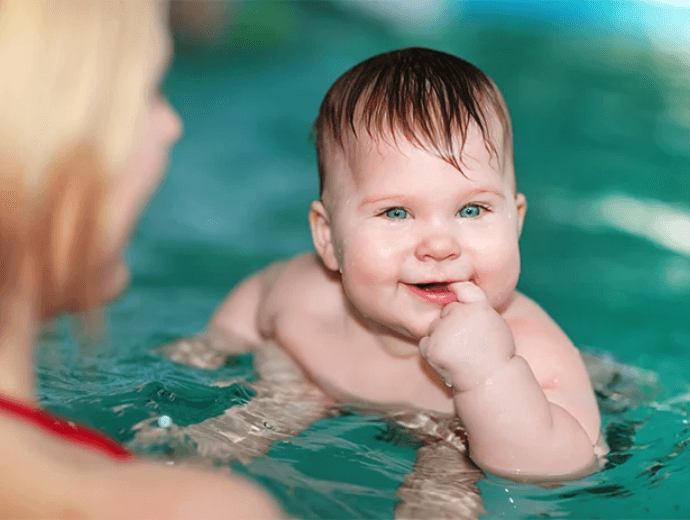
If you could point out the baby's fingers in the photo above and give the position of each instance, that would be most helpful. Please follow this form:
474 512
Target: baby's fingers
445 311
467 292
444 374
423 346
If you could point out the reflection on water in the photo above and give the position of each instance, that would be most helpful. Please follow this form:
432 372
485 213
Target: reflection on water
664 224
352 464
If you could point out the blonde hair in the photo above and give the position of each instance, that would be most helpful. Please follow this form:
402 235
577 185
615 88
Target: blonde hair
76 79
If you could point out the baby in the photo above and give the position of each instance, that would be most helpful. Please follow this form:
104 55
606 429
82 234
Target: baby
410 298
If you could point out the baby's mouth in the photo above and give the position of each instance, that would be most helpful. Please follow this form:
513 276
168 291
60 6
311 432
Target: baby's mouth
434 287
438 293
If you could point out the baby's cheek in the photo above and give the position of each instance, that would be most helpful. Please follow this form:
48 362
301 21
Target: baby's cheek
364 275
370 256
365 271
497 274
360 289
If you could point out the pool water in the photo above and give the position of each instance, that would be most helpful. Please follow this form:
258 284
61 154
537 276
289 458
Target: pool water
602 146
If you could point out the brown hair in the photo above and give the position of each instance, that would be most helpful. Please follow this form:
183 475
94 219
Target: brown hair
428 96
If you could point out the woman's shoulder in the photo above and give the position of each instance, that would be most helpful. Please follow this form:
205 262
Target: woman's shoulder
45 477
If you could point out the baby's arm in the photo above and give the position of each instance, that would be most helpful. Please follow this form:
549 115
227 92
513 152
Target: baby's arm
521 391
234 327
236 319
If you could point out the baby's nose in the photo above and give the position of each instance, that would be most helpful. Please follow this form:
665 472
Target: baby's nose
439 245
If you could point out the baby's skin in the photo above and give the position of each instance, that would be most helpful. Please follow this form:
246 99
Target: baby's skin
410 300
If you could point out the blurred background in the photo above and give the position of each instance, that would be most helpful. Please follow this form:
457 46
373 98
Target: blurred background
599 92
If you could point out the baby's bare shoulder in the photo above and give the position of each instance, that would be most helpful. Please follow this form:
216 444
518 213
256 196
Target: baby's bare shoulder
540 340
304 280
303 289
556 363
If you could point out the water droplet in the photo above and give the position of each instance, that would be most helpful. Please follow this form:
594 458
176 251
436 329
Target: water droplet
164 421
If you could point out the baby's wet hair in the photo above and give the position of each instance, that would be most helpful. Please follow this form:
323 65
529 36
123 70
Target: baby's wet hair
427 96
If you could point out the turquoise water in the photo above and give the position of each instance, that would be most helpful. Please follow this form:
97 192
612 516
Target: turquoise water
602 125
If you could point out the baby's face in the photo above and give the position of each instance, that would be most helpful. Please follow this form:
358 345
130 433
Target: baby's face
402 218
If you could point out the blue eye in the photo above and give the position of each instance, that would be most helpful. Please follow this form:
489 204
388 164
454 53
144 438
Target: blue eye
470 211
396 213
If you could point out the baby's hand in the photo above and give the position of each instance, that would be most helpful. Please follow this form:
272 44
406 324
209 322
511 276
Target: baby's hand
469 341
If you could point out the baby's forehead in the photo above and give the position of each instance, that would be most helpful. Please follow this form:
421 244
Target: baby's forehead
359 151
359 167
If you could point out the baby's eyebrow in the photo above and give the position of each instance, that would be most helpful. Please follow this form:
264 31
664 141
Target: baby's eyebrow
392 198
404 199
484 191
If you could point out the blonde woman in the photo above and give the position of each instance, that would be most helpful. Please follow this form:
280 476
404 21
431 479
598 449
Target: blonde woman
84 138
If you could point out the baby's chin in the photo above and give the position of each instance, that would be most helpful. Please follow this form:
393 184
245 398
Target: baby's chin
422 328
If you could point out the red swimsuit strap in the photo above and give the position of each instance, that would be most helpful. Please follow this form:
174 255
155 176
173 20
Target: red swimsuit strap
62 428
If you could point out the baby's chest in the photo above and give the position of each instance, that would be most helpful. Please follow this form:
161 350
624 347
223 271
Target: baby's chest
349 371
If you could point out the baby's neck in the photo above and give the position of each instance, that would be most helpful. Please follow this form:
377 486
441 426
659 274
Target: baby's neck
398 347
387 340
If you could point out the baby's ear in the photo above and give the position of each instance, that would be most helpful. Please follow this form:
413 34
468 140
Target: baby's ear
321 235
521 204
